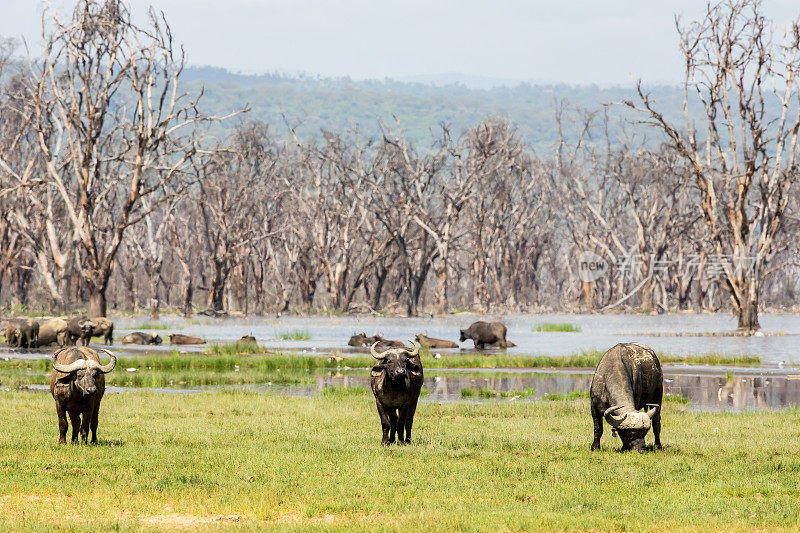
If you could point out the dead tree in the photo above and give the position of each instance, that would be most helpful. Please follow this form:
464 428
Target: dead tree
744 154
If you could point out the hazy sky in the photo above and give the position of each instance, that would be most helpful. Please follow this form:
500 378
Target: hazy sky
575 41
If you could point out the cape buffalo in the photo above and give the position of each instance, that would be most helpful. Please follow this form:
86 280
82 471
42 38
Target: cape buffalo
80 328
77 384
103 327
427 342
627 379
396 381
247 339
53 330
138 337
361 340
22 333
483 333
177 338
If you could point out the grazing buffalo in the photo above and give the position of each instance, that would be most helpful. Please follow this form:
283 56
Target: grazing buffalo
53 330
138 337
483 333
22 333
77 384
248 339
627 379
80 329
427 342
396 381
177 338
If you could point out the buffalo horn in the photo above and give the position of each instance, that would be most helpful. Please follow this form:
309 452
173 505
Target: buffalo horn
654 410
67 369
415 352
375 354
615 421
105 369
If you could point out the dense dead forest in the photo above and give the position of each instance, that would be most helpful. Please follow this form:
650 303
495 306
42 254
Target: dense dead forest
112 197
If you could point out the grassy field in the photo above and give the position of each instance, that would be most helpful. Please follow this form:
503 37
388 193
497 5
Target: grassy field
255 461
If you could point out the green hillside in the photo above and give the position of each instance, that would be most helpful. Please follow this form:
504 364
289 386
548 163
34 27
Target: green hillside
310 104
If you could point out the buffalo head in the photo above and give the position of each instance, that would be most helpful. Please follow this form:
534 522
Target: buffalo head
464 335
83 372
397 363
631 426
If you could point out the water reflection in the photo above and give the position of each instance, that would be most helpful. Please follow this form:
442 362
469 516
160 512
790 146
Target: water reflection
705 392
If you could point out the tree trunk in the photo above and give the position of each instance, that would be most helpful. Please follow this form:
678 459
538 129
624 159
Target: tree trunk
747 309
217 302
188 292
97 302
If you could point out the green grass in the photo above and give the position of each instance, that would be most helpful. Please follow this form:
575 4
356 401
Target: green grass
574 395
235 348
343 392
489 393
293 335
152 325
269 462
556 327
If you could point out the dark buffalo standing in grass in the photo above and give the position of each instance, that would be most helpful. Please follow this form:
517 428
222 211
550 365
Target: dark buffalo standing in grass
77 384
177 338
396 381
428 342
628 379
139 337
486 333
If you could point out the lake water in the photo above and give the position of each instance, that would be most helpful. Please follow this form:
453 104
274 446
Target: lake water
778 345
776 384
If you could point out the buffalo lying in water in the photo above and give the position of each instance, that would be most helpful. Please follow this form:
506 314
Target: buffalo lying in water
428 342
396 381
483 333
627 379
77 384
139 337
360 340
177 338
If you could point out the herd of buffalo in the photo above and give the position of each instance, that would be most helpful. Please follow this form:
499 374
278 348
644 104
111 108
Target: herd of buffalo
30 333
626 389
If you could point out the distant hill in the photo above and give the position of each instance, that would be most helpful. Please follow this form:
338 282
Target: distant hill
310 104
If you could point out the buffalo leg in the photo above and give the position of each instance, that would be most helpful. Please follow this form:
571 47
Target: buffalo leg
94 413
75 420
384 422
412 408
62 424
392 424
401 424
657 429
597 418
86 420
